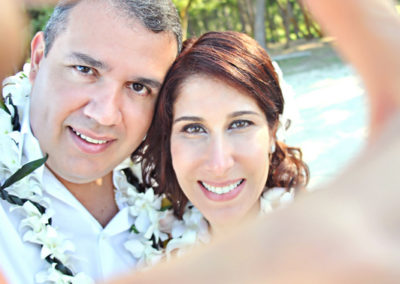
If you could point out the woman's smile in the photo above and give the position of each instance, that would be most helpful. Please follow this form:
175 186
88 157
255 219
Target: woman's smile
222 193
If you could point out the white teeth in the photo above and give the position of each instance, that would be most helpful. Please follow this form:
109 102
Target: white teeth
88 139
223 189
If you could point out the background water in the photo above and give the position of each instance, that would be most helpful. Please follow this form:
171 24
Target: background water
329 107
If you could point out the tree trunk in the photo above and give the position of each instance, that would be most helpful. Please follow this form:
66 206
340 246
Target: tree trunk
244 17
286 22
250 13
228 18
271 23
184 14
293 20
259 23
307 20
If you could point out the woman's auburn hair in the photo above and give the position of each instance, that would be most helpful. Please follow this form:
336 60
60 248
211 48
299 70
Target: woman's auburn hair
235 59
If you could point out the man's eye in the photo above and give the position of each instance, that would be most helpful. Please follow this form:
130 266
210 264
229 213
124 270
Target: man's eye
193 129
240 124
140 89
84 69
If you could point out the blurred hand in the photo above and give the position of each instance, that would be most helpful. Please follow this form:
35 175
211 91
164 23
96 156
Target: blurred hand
12 28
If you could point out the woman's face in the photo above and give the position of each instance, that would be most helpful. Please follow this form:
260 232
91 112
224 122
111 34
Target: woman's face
220 143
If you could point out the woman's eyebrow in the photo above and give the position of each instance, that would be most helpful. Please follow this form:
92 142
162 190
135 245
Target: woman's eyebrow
188 118
244 112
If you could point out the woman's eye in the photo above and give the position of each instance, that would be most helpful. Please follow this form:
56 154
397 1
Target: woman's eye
193 129
240 124
84 69
140 89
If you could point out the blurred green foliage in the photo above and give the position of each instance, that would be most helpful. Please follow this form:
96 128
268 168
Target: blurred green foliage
238 15
199 16
38 18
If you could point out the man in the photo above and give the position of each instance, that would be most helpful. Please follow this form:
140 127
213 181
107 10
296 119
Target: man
95 73
349 231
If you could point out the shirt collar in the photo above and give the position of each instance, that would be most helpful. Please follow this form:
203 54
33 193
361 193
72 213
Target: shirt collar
29 148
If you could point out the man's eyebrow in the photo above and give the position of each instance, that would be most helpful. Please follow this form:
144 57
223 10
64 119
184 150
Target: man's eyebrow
155 84
188 118
88 60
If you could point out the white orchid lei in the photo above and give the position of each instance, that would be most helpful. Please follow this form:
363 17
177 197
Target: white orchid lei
155 233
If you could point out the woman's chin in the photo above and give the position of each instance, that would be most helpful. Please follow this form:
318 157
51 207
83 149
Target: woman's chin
224 223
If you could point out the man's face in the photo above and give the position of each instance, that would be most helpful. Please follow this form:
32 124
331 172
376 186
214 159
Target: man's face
93 95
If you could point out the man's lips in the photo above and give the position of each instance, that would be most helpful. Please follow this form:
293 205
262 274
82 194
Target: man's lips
90 143
90 138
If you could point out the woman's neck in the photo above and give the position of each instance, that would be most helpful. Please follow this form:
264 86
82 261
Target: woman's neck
222 228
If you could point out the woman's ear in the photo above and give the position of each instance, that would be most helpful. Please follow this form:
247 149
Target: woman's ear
37 54
272 138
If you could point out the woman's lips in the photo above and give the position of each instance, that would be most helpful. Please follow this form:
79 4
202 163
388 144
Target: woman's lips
222 191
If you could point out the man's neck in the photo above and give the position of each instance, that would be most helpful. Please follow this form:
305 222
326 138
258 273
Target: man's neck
97 197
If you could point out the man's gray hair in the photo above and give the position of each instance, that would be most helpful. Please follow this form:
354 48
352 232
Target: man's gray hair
156 15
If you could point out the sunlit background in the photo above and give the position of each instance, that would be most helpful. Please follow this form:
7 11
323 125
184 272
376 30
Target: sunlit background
329 110
328 105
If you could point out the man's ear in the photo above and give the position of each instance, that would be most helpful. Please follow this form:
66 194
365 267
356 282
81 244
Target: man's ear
37 54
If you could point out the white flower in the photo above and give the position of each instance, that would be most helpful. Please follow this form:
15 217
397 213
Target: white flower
5 122
146 208
186 232
55 245
27 188
143 250
52 275
34 220
19 86
81 278
42 233
119 177
192 220
10 162
275 198
166 221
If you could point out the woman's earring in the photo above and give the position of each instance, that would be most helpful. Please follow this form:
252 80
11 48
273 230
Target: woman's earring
273 148
271 151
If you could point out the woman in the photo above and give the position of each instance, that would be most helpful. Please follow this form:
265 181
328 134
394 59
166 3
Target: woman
213 138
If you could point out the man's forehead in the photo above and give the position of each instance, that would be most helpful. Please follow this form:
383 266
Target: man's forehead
115 10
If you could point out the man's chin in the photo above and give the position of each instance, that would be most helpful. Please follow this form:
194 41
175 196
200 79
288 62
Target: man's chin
79 175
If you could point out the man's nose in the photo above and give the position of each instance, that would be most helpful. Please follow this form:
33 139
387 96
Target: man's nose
105 106
220 155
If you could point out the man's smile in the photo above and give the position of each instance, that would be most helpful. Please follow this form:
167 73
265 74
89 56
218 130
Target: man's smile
89 139
90 145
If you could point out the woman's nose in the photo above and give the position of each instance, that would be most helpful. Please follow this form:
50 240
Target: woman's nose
220 155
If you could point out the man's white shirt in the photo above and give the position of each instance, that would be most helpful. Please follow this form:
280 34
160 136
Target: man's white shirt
99 252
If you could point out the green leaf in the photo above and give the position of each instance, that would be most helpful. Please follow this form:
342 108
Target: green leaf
133 229
59 265
3 106
15 118
24 171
